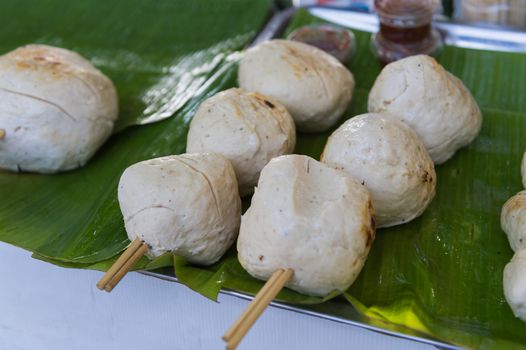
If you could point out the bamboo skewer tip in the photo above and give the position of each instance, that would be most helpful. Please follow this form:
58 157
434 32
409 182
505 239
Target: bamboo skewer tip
122 265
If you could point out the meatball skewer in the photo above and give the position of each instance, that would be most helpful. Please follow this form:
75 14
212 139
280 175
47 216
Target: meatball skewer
187 204
124 263
309 227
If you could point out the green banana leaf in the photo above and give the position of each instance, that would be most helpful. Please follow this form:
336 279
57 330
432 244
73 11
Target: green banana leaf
440 275
164 57
159 54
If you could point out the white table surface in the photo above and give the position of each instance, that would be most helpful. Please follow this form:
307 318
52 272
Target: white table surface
46 307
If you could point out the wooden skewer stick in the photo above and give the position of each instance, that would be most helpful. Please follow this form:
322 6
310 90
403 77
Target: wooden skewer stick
2 134
257 300
247 319
132 249
139 253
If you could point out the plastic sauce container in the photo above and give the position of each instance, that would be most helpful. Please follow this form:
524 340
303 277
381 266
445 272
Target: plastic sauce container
335 40
405 29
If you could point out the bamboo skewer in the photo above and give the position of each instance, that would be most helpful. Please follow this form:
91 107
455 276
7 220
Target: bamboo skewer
123 264
132 248
256 307
126 267
2 134
258 299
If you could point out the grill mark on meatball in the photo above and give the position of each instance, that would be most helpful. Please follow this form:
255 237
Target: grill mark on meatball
427 177
41 100
260 98
235 106
67 71
292 51
263 100
297 69
268 103
516 202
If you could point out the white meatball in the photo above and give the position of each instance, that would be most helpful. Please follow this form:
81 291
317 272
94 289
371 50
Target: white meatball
314 86
513 220
187 204
56 109
310 218
247 128
515 284
387 156
420 92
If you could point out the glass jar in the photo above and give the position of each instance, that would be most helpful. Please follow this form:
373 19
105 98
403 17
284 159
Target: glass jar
405 29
